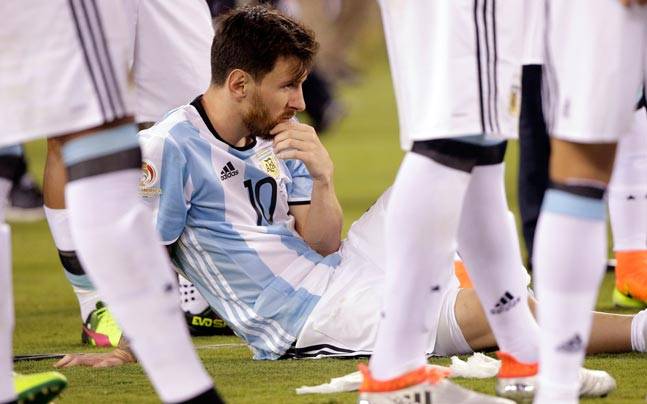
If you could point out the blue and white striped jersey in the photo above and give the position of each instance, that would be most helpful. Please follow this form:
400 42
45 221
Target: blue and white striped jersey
227 211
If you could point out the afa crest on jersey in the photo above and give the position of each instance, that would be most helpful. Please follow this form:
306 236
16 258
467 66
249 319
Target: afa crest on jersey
267 161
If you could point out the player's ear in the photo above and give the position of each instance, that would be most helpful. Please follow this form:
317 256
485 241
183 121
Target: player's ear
238 82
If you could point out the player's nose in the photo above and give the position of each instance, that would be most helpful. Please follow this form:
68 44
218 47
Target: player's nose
297 102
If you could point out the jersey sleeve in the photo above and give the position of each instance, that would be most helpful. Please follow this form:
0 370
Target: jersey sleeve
300 189
164 184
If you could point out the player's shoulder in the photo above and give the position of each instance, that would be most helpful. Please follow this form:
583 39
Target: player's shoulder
174 129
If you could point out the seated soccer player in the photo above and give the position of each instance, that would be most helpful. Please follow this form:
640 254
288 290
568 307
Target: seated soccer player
243 197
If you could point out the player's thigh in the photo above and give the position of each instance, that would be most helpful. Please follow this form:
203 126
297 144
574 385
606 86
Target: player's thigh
63 67
451 77
594 68
630 166
581 161
171 64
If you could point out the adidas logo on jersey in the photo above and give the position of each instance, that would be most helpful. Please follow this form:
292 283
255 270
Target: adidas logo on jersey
228 171
573 345
506 302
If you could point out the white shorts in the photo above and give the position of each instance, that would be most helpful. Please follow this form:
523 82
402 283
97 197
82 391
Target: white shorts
170 61
533 48
69 70
456 66
595 68
344 322
63 67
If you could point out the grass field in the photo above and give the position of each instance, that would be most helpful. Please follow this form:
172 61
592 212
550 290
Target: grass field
366 153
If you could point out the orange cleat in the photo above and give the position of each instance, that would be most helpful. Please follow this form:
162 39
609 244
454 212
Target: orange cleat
425 385
516 380
461 273
631 279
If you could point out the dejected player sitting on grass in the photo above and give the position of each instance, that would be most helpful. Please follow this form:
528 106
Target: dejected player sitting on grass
244 198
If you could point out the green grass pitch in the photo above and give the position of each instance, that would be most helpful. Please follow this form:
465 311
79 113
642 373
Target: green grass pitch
365 150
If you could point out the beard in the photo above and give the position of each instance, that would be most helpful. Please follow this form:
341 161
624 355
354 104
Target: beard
258 120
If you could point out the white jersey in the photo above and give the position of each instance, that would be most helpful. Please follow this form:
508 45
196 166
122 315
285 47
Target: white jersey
456 66
227 209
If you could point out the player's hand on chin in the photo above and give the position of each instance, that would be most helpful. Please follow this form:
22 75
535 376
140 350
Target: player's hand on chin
117 357
294 140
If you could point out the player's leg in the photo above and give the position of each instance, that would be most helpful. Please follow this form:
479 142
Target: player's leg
588 113
628 215
489 247
402 340
113 231
7 393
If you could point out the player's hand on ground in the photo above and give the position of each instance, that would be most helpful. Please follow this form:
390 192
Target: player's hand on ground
117 357
294 140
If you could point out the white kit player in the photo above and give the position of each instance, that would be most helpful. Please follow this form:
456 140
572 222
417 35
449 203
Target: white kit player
63 74
595 69
456 68
168 54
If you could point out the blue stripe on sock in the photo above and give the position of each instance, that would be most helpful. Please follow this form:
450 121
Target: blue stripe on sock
15 150
100 144
80 281
565 203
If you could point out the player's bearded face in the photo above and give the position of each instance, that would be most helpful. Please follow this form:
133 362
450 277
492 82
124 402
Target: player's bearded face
259 120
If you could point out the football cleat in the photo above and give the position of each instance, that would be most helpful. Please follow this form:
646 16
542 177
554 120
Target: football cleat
100 328
206 323
25 201
631 279
424 385
596 383
38 388
516 380
200 317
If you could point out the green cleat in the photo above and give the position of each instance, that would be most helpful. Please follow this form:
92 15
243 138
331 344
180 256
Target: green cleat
626 301
38 388
100 328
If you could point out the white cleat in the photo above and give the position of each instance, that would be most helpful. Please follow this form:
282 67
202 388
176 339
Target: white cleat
596 383
421 386
443 392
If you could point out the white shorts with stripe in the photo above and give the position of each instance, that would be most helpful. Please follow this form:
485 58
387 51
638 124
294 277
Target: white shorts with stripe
596 65
63 67
344 322
64 63
170 63
456 66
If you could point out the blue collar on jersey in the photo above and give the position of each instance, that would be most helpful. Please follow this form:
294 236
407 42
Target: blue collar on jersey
197 104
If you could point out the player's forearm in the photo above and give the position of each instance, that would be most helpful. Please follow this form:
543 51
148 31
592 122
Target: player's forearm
322 230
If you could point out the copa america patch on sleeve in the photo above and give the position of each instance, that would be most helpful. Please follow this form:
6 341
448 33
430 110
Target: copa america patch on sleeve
149 179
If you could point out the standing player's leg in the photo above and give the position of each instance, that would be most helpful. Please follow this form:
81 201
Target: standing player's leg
588 112
628 215
163 81
7 393
113 231
490 249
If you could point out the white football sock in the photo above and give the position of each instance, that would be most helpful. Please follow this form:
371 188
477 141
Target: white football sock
7 392
421 223
639 332
59 227
628 189
120 249
490 249
570 259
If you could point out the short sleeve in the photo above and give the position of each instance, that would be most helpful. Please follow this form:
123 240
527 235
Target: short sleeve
300 189
164 183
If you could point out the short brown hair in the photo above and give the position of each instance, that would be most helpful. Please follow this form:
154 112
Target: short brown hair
253 38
